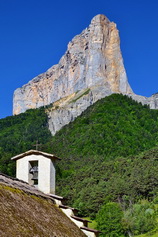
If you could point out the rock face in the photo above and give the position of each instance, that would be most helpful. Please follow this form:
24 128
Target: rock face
66 110
91 69
93 58
151 101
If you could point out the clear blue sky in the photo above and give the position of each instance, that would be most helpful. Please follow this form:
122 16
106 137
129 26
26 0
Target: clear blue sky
34 35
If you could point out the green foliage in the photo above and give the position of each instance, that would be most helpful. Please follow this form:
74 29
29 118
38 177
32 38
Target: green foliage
92 224
109 219
134 178
91 148
18 134
112 127
140 218
124 180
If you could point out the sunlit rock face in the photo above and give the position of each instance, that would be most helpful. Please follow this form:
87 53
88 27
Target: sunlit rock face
151 101
93 58
91 69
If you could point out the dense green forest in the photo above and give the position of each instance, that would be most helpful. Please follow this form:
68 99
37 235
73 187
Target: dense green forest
109 157
103 160
19 133
112 127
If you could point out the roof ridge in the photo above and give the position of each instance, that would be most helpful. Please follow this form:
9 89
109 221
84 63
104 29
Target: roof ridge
48 155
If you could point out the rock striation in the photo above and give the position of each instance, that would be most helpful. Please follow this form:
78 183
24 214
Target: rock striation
91 69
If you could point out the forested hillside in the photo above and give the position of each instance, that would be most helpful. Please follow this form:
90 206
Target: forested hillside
19 134
109 155
92 147
104 163
114 126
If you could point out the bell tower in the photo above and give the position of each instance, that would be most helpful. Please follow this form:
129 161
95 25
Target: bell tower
37 168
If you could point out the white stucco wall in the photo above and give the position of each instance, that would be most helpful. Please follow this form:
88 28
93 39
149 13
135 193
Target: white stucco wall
22 169
68 212
52 177
78 223
46 172
89 233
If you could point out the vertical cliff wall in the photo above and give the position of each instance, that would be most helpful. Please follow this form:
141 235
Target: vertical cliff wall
93 59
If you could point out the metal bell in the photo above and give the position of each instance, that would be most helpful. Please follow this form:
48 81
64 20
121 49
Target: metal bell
34 172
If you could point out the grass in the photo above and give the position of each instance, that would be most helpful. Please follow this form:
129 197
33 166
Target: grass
80 95
93 224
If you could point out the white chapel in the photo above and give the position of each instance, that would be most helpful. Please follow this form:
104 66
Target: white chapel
37 168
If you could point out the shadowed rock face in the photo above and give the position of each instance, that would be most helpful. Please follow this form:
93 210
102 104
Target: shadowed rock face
93 58
91 69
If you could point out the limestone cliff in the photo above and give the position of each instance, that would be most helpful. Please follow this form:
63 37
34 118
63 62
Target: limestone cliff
91 69
151 101
93 58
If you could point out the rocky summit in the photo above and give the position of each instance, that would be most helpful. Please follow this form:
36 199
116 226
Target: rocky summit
91 69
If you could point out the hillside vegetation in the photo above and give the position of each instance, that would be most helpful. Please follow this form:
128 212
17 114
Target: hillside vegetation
19 133
114 126
99 154
109 154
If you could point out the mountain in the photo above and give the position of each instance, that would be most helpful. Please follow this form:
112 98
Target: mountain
92 59
92 68
26 211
